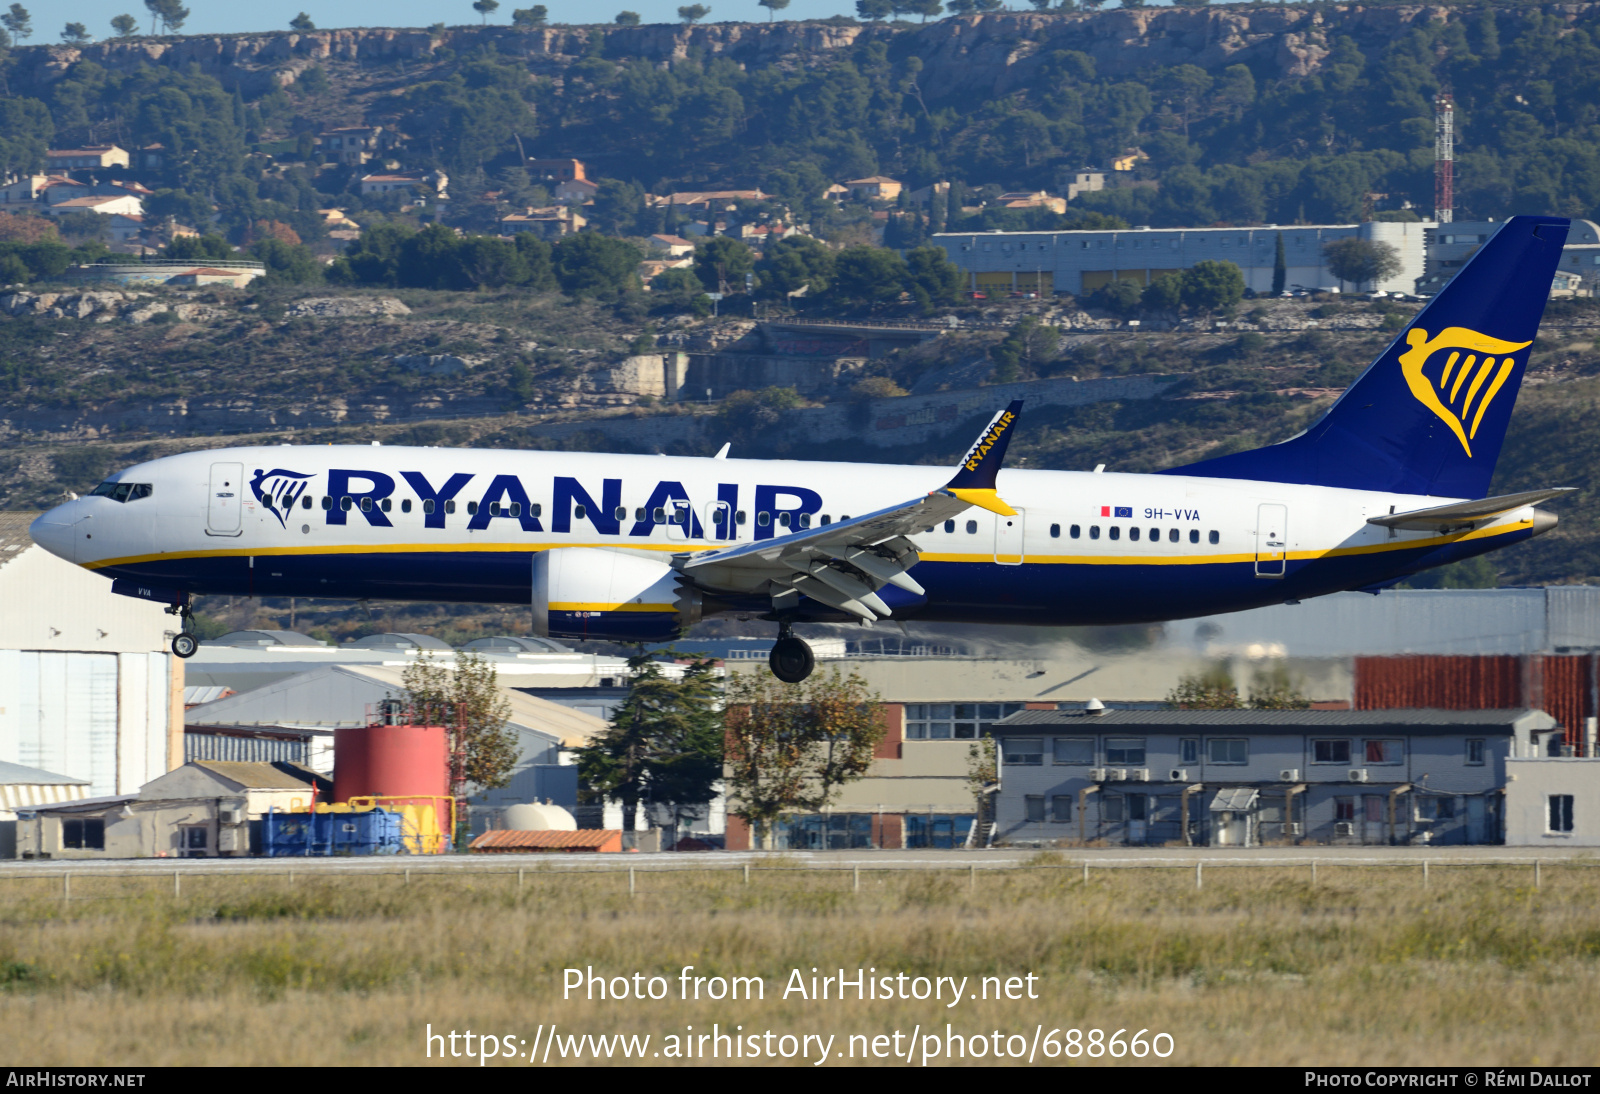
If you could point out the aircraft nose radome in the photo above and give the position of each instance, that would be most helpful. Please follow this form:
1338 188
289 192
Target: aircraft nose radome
53 532
1543 521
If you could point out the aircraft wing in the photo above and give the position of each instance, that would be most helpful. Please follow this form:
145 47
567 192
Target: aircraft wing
843 565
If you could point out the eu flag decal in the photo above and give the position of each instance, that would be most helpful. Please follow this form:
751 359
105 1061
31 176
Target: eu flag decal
1124 511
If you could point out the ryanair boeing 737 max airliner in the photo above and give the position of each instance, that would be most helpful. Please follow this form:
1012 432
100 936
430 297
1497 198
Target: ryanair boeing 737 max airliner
1389 482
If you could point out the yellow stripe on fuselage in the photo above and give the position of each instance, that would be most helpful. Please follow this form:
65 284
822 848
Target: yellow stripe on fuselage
629 607
927 556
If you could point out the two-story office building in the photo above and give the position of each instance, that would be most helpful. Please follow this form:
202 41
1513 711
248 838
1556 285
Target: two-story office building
1235 778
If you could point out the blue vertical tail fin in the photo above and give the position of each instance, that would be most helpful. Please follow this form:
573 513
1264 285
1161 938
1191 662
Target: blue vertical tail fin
1430 414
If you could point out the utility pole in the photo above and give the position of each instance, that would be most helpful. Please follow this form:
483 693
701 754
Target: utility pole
1444 158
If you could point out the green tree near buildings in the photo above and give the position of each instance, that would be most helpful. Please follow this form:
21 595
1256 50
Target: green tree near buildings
798 264
772 6
469 703
721 263
865 276
1361 261
1280 267
931 278
1210 286
664 744
693 13
1272 687
588 264
792 747
126 26
302 22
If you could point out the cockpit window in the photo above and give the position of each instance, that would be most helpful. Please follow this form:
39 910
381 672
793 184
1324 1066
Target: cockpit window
121 491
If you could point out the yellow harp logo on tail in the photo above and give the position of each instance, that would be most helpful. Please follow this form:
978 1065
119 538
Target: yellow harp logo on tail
1469 369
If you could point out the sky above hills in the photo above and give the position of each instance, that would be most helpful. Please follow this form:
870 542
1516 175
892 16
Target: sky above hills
212 17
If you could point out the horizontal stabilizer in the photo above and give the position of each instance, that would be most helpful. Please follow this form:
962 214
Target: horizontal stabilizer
1467 512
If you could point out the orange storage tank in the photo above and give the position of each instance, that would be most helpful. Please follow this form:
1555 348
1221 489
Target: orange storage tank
390 762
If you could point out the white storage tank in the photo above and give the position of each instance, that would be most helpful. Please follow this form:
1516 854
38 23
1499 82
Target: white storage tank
534 817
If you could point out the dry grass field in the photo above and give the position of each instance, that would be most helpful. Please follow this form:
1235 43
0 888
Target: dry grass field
1260 966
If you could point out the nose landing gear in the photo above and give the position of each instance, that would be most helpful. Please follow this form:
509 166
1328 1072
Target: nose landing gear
185 643
791 658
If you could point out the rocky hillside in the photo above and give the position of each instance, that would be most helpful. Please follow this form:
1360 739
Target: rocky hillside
986 54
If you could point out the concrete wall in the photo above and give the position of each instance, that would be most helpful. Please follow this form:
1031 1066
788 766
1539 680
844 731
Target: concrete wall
1532 781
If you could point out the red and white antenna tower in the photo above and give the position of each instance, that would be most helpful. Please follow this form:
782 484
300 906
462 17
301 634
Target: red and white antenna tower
1444 158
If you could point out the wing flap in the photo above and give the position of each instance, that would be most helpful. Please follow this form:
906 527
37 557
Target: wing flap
843 565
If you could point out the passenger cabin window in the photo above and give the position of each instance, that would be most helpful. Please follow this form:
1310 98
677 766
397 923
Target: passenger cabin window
620 513
1116 531
1215 536
972 527
1055 531
472 508
1073 531
1094 531
1194 535
763 518
450 506
949 526
738 517
1173 536
1133 534
405 505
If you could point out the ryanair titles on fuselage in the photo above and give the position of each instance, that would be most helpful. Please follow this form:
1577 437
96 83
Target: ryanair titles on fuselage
361 493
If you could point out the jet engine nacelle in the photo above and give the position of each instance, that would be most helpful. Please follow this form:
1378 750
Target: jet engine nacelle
590 592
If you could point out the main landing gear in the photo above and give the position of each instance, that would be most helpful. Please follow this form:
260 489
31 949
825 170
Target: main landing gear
185 643
791 658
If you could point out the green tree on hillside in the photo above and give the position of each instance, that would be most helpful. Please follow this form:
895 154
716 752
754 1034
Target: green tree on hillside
627 19
485 8
587 264
126 26
693 13
535 16
721 263
772 6
76 34
17 22
302 22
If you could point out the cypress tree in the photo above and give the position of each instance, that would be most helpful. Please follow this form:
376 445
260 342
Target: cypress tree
1280 268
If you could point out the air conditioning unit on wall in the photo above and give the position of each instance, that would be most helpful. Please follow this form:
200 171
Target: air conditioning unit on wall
1289 775
1097 774
1344 828
1140 774
1178 775
1116 774
1358 774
